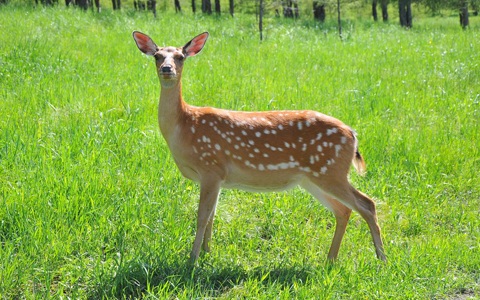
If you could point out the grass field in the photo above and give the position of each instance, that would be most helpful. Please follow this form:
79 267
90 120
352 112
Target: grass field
92 205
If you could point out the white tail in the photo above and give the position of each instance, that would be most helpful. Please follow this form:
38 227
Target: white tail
256 151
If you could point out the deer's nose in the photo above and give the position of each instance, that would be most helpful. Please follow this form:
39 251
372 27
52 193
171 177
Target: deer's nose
167 69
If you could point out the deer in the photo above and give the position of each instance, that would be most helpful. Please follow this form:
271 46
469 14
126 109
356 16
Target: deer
257 151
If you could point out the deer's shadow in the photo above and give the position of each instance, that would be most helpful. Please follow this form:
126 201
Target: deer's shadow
137 276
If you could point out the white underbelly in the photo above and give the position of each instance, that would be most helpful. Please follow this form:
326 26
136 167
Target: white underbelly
251 181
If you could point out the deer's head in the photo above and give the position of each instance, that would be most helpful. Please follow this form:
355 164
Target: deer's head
169 60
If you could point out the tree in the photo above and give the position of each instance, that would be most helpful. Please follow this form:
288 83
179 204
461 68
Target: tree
384 6
116 4
178 8
231 8
374 10
217 6
207 6
405 13
464 13
319 11
194 8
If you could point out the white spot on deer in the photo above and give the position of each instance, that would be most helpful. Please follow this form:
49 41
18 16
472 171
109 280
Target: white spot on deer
323 170
229 140
273 148
265 155
217 146
304 147
193 129
343 140
237 138
299 125
261 167
206 154
300 139
195 149
290 123
319 136
266 131
267 145
251 155
337 149
294 146
305 169
333 130
317 158
250 127
205 139
272 167
199 140
242 144
330 144
280 127
258 134
307 123
291 158
254 118
319 148
207 163
210 123
312 159
293 164
227 152
247 163
256 150
312 142
283 166
280 149
204 121
315 174
251 142
237 147
244 132
325 144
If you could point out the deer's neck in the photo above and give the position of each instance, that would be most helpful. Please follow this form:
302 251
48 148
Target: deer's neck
171 110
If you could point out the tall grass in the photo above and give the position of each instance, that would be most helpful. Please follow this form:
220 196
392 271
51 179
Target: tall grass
92 205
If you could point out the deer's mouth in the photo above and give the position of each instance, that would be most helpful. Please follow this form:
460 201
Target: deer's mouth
169 75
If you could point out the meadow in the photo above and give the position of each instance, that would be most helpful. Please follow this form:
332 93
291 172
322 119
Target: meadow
93 206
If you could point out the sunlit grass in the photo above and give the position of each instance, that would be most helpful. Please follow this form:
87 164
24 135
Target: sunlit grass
92 205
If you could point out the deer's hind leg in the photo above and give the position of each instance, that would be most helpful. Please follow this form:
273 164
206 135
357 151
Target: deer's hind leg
349 196
341 212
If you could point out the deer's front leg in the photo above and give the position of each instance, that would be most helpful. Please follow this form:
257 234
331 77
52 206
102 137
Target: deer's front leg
208 233
209 190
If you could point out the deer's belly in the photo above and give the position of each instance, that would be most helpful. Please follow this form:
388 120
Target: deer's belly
261 183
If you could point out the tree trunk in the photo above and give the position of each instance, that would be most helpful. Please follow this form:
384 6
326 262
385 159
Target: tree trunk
67 2
319 11
114 4
339 19
207 6
374 10
260 25
83 4
231 8
409 13
295 8
384 11
287 9
405 13
464 14
97 4
178 8
217 6
194 8
154 8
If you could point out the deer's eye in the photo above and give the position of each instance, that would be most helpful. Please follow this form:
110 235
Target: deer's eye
179 58
159 57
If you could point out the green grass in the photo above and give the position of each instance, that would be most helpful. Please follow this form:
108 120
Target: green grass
92 205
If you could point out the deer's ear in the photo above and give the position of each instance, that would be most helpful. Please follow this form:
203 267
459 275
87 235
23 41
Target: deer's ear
195 45
145 43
